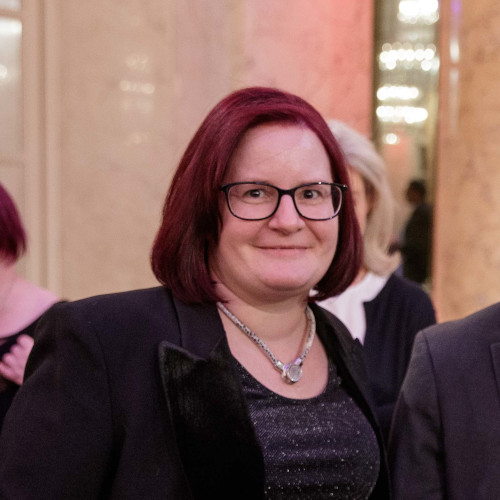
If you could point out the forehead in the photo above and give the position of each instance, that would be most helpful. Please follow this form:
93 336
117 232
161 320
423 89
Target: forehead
278 135
276 146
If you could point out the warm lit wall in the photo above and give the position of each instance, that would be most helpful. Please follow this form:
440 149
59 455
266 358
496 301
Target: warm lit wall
133 79
467 232
321 50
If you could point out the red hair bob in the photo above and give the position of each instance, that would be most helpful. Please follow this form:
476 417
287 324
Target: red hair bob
191 220
12 234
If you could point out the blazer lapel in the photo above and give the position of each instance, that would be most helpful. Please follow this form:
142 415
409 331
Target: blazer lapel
346 352
215 437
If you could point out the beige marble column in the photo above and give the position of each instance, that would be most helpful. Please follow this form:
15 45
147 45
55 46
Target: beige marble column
466 273
321 50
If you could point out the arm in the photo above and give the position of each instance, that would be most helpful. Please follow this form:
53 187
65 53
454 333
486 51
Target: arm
415 445
56 438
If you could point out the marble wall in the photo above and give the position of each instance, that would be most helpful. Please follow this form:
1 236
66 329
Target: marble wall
321 50
132 81
126 83
467 232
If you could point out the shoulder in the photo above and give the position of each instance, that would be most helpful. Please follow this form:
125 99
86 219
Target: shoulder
399 311
130 311
130 296
463 345
26 304
122 302
399 290
399 284
482 326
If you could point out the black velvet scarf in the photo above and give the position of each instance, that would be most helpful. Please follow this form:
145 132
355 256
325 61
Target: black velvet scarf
215 437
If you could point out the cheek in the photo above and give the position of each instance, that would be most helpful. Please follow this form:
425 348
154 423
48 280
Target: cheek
222 257
235 236
330 238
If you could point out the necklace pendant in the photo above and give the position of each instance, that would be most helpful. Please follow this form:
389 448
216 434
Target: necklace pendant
292 372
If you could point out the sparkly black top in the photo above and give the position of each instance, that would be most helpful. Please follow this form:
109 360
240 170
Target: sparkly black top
322 447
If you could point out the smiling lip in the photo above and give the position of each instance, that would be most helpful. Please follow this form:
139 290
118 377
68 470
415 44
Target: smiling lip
283 249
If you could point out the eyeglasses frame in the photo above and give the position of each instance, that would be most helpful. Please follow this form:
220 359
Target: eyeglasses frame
281 192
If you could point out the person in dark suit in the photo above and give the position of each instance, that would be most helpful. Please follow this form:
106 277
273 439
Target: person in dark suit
227 381
382 310
417 240
445 437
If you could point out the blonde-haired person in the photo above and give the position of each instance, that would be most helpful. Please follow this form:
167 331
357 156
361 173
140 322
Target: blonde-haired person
381 309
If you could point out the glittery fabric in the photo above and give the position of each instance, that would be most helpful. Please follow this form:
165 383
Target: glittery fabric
316 448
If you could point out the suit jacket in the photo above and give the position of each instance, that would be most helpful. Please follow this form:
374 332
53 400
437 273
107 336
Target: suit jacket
393 318
445 439
133 395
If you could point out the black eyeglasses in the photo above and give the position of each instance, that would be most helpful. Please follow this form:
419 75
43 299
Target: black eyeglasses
259 200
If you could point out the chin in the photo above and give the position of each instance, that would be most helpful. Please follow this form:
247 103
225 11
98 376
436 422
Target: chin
288 286
291 279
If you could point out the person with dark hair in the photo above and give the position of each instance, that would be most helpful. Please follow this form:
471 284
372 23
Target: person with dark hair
382 310
228 381
21 304
417 238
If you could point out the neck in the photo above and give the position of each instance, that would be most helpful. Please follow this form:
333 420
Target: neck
281 319
272 324
361 274
21 302
8 279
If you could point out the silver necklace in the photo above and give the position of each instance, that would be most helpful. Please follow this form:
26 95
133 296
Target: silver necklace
290 372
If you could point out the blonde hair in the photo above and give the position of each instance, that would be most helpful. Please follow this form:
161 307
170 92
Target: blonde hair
360 155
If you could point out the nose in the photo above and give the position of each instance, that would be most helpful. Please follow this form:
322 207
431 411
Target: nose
286 217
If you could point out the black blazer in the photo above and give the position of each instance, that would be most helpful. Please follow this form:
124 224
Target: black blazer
445 439
393 319
133 396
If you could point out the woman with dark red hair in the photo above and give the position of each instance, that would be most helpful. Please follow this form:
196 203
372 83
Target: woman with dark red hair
21 304
228 381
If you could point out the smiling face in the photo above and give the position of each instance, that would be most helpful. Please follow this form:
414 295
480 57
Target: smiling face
285 255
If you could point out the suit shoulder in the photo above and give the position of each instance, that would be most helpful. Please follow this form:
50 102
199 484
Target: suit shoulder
480 327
